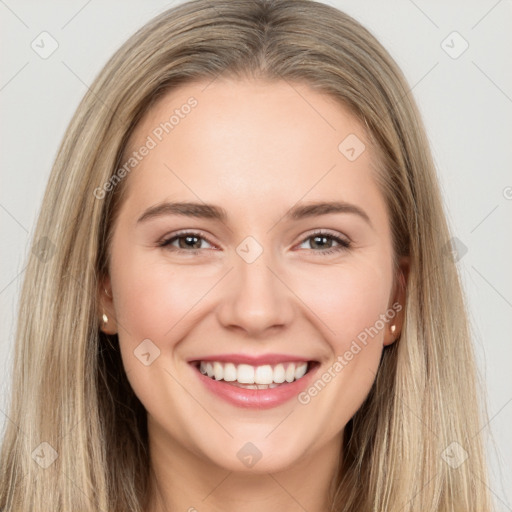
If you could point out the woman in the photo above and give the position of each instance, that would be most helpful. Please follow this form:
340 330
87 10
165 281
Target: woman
240 294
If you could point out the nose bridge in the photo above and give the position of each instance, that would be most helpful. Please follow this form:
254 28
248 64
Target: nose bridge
256 299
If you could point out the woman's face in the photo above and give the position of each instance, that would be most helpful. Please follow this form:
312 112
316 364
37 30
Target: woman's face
256 188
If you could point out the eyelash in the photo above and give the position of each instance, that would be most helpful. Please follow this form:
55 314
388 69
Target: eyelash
343 244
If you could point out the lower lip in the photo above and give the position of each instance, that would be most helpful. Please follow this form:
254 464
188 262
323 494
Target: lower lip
256 398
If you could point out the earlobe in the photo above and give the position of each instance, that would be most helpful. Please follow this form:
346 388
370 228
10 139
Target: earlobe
391 335
106 305
394 327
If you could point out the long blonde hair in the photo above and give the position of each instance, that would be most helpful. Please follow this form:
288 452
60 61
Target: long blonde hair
69 388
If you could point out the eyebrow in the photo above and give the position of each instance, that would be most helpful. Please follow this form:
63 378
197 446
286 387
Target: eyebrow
210 211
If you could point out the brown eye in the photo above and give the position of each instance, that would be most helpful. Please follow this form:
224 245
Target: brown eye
321 242
189 242
326 243
186 242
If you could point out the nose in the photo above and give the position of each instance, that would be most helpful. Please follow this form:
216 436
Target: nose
255 298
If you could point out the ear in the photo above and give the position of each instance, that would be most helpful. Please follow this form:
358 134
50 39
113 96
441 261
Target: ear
397 303
106 306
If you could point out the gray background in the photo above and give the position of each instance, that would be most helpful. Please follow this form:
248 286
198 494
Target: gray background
465 100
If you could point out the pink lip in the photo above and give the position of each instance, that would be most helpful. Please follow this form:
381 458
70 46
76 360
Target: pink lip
252 360
256 398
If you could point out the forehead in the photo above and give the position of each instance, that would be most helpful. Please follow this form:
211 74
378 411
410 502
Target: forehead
249 144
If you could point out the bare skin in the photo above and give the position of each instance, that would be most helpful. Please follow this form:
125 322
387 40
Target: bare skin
256 149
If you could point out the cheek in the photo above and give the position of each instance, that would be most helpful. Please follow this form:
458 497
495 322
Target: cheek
349 303
145 301
151 296
346 299
154 307
156 301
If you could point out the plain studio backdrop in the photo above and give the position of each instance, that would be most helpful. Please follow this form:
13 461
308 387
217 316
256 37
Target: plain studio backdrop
456 57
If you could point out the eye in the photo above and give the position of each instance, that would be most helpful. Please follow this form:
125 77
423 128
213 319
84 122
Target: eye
326 242
187 242
191 242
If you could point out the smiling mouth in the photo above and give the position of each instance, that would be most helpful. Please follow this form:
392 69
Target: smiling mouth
255 377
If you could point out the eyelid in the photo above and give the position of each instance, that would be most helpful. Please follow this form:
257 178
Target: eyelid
344 241
329 232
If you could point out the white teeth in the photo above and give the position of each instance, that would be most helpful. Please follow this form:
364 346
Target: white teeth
300 370
245 374
279 374
218 371
254 377
229 372
290 373
263 374
255 386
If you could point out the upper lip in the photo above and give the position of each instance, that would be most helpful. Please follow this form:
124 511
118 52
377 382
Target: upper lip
252 360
